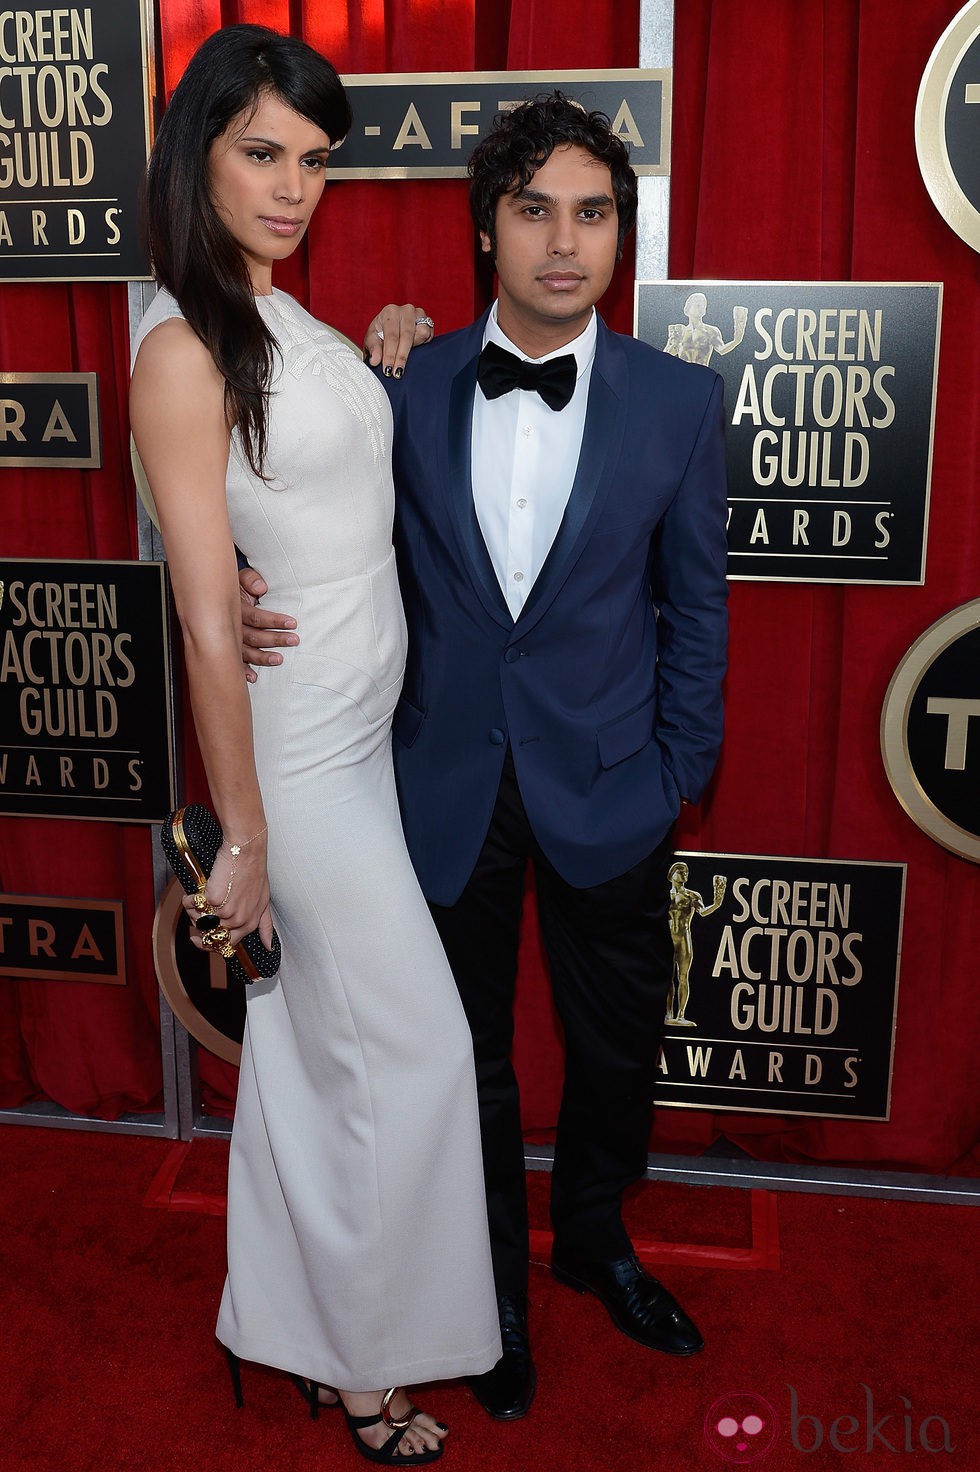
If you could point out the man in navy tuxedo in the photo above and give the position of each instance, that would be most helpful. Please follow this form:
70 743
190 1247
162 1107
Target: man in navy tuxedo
560 530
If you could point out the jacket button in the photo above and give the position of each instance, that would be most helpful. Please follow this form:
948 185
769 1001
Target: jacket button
497 737
512 656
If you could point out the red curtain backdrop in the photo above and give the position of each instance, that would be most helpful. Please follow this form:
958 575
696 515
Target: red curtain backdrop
793 157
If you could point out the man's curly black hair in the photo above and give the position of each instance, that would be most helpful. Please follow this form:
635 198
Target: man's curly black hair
524 138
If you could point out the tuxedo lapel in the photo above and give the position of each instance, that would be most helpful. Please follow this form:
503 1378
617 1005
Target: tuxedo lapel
460 487
605 421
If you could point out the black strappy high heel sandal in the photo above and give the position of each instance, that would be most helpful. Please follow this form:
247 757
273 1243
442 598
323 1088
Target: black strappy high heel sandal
308 1389
235 1371
388 1453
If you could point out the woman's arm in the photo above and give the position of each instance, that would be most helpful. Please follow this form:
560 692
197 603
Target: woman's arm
178 421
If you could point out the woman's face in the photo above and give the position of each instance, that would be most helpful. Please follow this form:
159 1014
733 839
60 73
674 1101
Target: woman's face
266 174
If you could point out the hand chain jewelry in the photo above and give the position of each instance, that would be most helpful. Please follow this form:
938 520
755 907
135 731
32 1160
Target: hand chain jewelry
235 850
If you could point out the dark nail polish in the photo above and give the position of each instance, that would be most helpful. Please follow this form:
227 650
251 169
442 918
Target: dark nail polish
399 372
387 372
442 1426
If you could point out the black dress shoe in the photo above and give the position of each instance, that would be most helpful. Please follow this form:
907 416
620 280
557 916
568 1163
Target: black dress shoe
506 1391
637 1303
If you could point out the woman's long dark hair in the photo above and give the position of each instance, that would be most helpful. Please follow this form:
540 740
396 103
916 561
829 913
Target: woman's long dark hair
194 255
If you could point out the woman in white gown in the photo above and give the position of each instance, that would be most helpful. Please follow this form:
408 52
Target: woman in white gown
357 1242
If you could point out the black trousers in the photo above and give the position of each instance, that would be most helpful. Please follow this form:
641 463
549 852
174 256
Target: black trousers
610 957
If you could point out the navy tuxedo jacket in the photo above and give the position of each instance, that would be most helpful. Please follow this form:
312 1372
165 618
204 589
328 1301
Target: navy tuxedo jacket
608 685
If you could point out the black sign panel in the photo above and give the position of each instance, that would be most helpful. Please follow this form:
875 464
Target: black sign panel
47 939
829 406
49 419
930 731
74 138
86 725
426 125
785 985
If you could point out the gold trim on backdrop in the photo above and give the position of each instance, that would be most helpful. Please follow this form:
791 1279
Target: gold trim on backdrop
930 125
912 668
170 914
142 484
589 74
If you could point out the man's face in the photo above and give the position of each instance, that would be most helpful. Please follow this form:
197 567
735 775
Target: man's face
556 249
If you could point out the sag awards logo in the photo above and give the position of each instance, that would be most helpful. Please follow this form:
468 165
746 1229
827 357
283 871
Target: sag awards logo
685 904
830 388
743 1427
783 984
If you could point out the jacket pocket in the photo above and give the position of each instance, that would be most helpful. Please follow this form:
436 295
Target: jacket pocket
627 735
407 722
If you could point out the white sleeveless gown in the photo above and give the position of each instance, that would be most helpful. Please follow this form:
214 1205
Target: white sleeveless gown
357 1238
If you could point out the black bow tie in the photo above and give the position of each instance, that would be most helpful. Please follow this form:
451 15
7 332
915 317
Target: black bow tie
499 371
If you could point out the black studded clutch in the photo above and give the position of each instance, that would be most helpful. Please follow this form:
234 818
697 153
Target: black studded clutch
191 838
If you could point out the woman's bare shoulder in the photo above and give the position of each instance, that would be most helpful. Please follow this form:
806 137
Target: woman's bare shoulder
176 382
173 347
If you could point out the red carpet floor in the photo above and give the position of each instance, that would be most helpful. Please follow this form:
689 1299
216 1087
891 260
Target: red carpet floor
850 1323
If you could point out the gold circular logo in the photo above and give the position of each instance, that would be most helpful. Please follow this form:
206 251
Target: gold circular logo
947 120
930 731
196 983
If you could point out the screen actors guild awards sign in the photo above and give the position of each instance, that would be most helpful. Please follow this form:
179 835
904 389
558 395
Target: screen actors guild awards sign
785 985
86 726
74 140
930 731
426 125
947 116
829 403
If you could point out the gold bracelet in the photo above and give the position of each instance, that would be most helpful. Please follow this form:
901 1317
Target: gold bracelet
235 850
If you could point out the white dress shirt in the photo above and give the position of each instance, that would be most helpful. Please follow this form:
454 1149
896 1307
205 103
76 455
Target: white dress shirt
524 458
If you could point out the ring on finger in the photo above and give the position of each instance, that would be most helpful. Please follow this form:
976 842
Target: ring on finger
379 334
425 321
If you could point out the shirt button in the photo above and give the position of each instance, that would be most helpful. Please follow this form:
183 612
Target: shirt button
528 431
497 737
518 577
522 503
